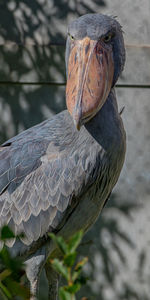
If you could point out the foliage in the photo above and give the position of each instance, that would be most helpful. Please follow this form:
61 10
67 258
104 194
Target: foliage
11 270
67 268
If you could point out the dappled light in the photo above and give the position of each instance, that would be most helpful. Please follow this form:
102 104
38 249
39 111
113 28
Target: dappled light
32 89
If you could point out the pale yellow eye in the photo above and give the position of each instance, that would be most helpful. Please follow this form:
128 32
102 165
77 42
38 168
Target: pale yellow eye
107 38
71 37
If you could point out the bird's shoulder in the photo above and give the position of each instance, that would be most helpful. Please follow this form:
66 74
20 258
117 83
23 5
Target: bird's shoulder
41 171
21 154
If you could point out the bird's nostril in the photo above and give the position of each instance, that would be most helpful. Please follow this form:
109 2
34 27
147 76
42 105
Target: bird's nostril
87 48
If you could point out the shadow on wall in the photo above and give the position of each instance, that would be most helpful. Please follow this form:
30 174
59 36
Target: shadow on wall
27 28
108 259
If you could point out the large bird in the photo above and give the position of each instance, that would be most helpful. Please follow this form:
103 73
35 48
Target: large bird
57 176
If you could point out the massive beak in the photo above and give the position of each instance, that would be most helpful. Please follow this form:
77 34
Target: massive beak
90 76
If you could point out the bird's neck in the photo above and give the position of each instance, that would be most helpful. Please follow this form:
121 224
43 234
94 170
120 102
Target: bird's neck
107 127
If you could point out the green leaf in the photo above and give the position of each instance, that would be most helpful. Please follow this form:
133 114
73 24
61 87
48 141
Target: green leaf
60 268
60 242
74 288
2 295
75 275
77 278
75 241
81 280
5 290
81 263
78 268
5 257
16 289
64 295
4 274
69 259
6 233
12 263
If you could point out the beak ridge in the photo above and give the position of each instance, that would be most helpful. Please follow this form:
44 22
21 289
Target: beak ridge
90 70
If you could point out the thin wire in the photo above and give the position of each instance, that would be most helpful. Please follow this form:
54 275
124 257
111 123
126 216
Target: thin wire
137 86
61 43
134 86
143 86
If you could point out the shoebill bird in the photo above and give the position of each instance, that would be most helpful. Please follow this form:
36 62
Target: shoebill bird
57 176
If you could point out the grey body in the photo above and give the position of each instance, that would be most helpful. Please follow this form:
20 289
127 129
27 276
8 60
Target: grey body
47 171
54 178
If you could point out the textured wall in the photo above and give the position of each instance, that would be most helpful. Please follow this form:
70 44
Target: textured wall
118 244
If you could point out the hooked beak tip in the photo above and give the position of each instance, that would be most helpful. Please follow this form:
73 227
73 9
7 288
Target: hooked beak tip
77 124
77 116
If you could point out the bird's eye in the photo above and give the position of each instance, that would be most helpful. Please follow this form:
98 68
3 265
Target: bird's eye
71 37
107 38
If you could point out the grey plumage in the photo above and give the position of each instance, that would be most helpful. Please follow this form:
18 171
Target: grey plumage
54 178
43 169
93 26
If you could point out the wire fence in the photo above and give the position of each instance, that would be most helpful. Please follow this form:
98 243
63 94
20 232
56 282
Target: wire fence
63 83
139 86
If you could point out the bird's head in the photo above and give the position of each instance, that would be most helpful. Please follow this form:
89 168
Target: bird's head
95 57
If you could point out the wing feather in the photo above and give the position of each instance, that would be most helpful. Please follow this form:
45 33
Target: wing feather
39 177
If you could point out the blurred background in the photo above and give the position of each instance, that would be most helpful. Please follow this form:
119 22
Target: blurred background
32 88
